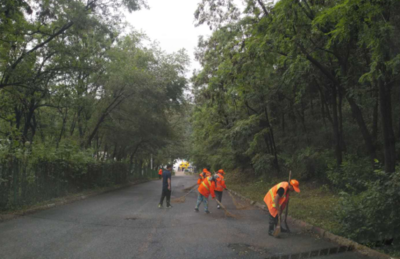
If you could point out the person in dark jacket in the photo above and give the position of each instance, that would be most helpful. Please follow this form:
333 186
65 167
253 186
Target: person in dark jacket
166 187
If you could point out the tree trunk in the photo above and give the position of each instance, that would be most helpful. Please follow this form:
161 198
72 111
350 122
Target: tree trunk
387 126
271 136
357 114
28 118
375 121
342 143
336 128
62 127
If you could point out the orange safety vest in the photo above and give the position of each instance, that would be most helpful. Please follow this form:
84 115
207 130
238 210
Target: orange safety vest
160 172
220 183
207 187
270 197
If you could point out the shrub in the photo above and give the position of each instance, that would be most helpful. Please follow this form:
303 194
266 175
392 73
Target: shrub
372 215
353 175
308 163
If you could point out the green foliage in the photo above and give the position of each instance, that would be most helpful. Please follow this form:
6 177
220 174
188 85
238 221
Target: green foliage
372 216
307 86
309 163
74 89
83 101
353 175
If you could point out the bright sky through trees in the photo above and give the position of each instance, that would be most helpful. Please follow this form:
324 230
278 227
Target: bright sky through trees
171 23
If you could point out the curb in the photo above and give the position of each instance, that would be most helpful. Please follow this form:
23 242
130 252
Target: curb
342 241
65 200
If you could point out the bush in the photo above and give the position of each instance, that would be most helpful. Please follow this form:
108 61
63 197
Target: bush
308 163
353 175
372 215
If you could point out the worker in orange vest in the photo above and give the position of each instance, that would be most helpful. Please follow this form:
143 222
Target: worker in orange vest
219 186
206 188
160 173
276 199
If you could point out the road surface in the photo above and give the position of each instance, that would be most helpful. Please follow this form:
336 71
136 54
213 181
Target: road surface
127 224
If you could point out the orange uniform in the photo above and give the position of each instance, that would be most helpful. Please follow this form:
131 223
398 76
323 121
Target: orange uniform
160 172
220 186
207 187
270 198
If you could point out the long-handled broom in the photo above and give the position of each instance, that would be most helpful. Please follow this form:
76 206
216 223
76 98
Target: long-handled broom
287 206
227 213
183 198
189 188
237 204
277 230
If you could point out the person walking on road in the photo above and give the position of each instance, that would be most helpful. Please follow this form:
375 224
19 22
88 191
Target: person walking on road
220 186
206 188
276 200
166 187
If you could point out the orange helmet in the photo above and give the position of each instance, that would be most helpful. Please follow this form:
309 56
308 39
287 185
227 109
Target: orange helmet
221 171
295 185
206 172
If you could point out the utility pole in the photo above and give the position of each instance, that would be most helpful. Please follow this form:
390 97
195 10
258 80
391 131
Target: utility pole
151 161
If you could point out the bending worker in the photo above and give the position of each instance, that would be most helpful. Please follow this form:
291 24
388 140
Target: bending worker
206 188
220 186
276 199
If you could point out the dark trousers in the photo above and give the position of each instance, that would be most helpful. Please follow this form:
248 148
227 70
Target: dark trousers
165 193
273 221
159 176
218 195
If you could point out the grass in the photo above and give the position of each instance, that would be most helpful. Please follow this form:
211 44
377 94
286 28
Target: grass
315 204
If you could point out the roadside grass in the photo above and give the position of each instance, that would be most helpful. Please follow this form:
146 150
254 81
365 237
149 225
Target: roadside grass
315 204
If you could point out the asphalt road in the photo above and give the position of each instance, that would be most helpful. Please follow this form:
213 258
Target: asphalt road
127 224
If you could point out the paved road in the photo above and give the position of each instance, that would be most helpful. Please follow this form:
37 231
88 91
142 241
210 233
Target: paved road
127 224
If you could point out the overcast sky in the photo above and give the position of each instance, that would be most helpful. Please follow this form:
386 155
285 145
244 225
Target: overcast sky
171 23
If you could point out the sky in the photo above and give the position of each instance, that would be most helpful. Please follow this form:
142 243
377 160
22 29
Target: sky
171 23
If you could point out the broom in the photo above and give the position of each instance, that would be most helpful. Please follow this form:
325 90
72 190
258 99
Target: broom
189 188
277 230
227 213
287 206
183 198
237 204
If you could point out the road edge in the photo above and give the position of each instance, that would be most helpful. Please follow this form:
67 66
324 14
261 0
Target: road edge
65 200
342 241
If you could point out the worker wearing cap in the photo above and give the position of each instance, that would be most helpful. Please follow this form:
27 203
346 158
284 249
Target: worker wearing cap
276 199
219 186
206 188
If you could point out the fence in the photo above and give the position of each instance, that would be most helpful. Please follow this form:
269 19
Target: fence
24 183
